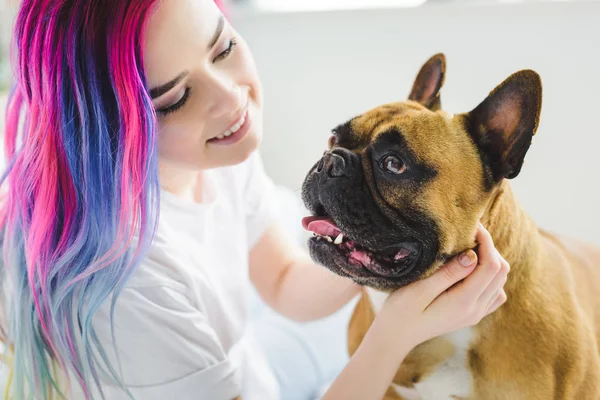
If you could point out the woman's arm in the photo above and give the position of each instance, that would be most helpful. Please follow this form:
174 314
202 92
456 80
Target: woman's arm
416 313
290 283
372 367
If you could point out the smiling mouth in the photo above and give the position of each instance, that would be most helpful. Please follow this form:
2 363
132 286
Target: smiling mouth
236 130
391 262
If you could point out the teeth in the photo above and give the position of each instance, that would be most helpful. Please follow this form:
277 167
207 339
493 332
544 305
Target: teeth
233 129
339 239
237 126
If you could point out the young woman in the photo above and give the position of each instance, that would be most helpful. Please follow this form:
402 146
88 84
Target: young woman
137 212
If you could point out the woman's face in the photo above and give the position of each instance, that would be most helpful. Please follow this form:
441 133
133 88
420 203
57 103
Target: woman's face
204 86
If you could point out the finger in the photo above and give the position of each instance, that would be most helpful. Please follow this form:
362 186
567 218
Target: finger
449 274
486 250
503 261
497 283
497 302
489 265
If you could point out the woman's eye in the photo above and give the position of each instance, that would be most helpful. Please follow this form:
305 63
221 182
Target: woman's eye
177 105
393 165
225 53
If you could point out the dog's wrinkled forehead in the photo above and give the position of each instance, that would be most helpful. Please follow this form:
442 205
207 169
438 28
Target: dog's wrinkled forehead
424 132
382 118
362 130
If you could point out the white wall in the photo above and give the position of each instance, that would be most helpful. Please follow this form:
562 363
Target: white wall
319 69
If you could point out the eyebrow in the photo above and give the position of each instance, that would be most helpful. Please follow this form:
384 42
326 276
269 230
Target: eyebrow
217 33
160 90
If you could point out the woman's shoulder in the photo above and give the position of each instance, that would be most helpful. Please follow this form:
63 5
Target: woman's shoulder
162 265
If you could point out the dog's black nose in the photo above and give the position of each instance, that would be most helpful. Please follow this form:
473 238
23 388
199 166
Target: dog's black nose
336 163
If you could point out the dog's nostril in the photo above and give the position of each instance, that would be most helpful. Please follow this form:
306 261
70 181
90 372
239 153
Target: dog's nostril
319 166
333 165
336 166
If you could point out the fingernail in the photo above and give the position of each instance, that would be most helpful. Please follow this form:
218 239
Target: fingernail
467 259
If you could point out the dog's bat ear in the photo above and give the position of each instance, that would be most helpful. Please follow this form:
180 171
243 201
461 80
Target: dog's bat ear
503 125
429 81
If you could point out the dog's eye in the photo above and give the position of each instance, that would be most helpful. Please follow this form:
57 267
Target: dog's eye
393 165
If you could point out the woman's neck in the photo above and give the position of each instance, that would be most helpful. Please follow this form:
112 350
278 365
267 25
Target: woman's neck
183 183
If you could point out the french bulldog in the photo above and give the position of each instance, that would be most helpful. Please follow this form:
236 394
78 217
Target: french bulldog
401 190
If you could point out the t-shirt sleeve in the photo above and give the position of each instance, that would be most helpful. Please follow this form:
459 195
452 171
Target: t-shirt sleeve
260 197
166 347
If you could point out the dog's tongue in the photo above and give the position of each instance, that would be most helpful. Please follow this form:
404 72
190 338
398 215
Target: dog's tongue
360 257
321 225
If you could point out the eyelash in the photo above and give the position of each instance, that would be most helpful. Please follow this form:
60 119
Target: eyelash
227 51
172 108
186 95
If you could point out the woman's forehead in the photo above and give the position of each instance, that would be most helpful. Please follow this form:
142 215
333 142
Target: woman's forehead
179 35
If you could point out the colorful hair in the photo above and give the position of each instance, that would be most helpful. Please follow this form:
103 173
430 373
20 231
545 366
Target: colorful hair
81 200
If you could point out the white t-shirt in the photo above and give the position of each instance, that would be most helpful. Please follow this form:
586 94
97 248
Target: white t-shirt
180 323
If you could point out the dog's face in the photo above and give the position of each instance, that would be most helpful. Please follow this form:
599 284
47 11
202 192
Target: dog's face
402 187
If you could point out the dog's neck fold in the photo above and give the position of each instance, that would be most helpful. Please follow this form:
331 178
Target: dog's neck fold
515 234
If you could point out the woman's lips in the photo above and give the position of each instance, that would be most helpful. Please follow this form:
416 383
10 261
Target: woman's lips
236 133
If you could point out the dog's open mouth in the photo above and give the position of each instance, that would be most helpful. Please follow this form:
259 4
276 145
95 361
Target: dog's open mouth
391 262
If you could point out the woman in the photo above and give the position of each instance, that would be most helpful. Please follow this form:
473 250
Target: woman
137 210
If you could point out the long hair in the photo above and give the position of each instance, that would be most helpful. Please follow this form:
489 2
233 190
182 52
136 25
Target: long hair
80 192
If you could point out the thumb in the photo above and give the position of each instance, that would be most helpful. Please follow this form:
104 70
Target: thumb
450 273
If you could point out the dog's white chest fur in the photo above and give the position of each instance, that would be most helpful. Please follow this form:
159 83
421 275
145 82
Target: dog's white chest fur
452 379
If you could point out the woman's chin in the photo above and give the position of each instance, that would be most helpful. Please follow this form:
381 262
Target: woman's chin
235 153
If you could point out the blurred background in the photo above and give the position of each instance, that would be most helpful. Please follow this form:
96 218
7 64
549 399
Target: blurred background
324 61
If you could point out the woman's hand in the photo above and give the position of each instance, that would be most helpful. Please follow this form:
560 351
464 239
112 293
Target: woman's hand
456 296
421 311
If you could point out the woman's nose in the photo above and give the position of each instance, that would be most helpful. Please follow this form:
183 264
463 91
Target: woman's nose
223 95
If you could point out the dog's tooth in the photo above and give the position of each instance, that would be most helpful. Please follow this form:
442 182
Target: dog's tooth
330 240
339 239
